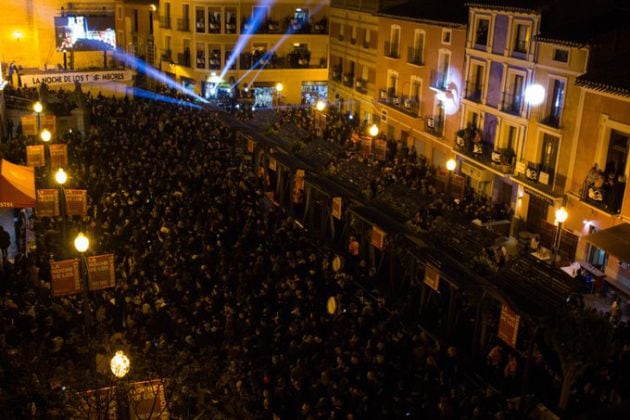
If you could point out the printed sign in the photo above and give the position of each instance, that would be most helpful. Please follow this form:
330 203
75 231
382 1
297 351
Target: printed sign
65 78
432 277
65 276
35 156
47 203
508 326
250 145
299 179
58 155
147 401
366 146
29 124
336 207
272 164
101 274
380 149
378 238
76 202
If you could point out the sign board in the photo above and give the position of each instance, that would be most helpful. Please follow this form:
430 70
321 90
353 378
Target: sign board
299 179
355 138
76 202
432 277
336 207
47 203
378 238
29 124
35 155
380 149
331 305
101 273
250 145
66 279
69 78
272 164
147 400
366 146
508 326
58 155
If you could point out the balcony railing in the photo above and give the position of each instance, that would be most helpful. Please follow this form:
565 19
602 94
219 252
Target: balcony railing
392 49
434 125
439 80
512 104
608 198
366 44
348 79
551 120
474 91
361 85
414 56
183 25
165 22
273 61
183 59
409 105
167 55
336 74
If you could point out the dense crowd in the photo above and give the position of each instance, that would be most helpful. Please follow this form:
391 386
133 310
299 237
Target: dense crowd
217 291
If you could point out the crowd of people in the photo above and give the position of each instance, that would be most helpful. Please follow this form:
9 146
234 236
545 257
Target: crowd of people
218 292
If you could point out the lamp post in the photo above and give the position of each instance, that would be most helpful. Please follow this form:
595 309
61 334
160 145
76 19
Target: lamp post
120 365
373 130
61 177
561 217
451 164
45 136
279 89
38 108
320 106
81 244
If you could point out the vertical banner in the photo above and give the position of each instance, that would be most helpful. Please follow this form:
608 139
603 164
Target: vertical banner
58 155
508 326
49 122
299 179
65 276
432 277
354 137
378 238
76 202
272 163
101 274
35 155
29 125
380 149
366 146
250 145
336 207
47 203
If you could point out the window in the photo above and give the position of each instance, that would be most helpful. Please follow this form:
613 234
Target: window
214 57
151 23
561 55
513 95
368 39
200 20
521 38
416 55
481 33
392 82
617 156
214 21
474 88
119 12
230 20
200 57
440 80
394 42
548 157
446 36
341 31
135 20
353 37
556 101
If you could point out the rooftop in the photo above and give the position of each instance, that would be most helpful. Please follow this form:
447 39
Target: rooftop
448 11
612 77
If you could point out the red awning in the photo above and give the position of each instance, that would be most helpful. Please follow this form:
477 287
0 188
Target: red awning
17 185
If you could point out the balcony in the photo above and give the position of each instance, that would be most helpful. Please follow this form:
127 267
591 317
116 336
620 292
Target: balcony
348 79
183 25
439 80
230 26
414 56
604 193
469 142
474 91
366 44
183 59
392 49
272 61
336 74
167 55
512 104
551 120
165 22
434 125
361 86
214 26
408 105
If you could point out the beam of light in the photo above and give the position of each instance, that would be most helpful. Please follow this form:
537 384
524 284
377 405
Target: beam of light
273 49
155 74
254 23
141 93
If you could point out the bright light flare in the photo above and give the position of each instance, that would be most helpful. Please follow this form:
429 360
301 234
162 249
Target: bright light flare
120 364
535 94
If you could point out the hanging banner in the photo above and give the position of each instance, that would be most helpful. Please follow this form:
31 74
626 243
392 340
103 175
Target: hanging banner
272 164
29 124
299 179
336 207
378 238
355 138
147 401
380 149
101 274
366 146
47 203
250 145
76 202
70 78
432 277
35 156
58 155
508 326
65 277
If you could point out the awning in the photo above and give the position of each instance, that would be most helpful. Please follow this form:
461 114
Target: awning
614 240
17 185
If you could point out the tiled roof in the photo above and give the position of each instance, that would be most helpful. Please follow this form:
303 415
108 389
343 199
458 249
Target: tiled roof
612 77
448 11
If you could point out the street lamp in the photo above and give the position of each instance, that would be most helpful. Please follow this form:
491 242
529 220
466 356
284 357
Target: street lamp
81 243
61 177
561 217
38 108
279 89
451 164
120 364
373 131
320 105
45 135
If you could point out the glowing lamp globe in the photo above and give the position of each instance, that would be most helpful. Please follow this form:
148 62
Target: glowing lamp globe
61 177
37 107
120 364
451 165
373 130
320 105
561 215
535 94
279 87
45 136
81 242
